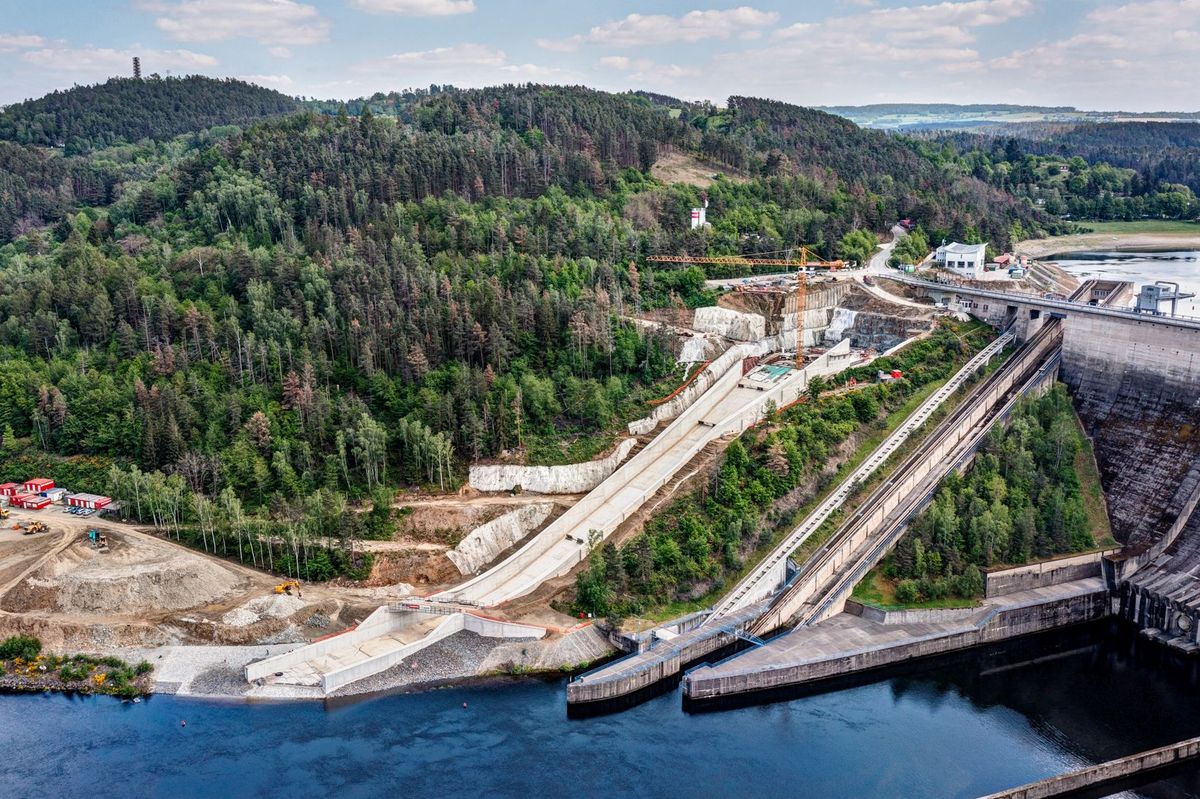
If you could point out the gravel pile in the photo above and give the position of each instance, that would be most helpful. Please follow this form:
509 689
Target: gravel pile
222 680
452 658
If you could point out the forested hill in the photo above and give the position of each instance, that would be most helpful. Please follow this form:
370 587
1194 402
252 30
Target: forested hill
777 137
126 109
318 306
1160 152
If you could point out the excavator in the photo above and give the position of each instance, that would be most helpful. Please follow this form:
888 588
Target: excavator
98 540
287 586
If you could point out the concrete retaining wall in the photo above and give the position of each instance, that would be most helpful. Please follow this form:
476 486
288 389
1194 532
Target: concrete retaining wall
909 616
1039 575
483 544
575 478
380 622
1001 625
489 628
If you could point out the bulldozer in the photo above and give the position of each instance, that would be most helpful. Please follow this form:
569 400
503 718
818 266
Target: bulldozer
287 586
35 527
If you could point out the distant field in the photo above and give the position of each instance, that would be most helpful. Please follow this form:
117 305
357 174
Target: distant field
1156 233
1144 226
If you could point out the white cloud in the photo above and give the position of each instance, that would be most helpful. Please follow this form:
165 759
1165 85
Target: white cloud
271 81
10 42
640 30
97 63
461 64
1148 50
274 22
871 54
415 8
280 52
645 69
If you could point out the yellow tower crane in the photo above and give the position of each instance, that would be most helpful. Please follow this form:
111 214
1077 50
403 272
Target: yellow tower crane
794 297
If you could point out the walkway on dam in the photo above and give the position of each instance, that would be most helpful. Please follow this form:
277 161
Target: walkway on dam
847 643
768 574
1047 303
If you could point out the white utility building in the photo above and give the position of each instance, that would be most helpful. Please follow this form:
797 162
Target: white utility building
964 259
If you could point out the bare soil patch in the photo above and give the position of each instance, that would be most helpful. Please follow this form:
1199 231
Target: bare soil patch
677 167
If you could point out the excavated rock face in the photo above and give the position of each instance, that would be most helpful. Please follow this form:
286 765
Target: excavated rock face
1147 440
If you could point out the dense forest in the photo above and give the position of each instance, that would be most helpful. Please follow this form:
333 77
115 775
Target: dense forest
321 304
704 538
1126 170
130 109
1020 500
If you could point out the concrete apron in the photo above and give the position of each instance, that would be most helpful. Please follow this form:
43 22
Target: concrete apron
381 641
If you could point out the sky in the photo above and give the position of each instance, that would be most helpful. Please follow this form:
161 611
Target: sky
1135 55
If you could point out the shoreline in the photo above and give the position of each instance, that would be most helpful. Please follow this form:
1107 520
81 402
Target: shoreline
464 659
1106 242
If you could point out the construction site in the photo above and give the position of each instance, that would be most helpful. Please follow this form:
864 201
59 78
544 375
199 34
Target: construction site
469 583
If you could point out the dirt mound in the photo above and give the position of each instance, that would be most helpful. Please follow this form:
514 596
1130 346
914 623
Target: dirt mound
275 606
413 566
137 575
442 524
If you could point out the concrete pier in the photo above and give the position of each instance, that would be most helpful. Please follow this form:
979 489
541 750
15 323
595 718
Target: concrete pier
1107 774
641 671
846 644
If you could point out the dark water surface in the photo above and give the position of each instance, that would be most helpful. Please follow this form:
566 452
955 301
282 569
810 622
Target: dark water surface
950 728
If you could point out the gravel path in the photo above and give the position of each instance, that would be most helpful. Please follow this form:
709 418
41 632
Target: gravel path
454 658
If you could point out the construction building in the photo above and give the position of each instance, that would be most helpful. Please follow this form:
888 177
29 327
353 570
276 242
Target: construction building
93 501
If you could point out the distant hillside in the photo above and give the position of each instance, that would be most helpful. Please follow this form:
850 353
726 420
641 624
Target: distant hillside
881 174
1158 151
128 109
916 116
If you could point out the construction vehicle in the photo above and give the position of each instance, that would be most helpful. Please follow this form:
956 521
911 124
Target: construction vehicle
287 586
98 540
35 527
4 513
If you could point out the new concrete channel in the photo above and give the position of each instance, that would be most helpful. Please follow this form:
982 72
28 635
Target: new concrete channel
733 402
641 670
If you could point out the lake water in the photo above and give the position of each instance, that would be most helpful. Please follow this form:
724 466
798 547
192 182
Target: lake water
1182 267
950 728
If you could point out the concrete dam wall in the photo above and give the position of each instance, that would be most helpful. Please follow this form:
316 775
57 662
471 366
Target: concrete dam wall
1136 386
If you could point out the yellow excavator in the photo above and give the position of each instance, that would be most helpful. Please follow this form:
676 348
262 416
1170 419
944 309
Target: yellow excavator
287 586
